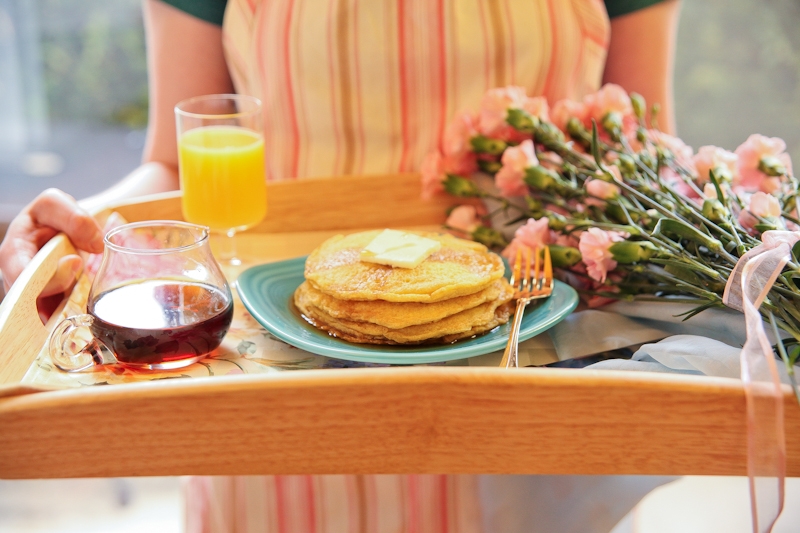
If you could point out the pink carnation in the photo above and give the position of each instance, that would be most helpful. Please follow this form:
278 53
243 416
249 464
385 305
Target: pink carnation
683 153
595 245
463 218
433 174
458 155
610 98
531 234
602 189
710 192
551 160
516 159
709 158
494 108
674 180
563 110
764 205
750 154
537 107
458 134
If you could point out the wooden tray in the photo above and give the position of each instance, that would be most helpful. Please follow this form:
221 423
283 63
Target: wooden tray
372 420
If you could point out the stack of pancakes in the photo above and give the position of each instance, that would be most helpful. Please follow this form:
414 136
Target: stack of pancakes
457 292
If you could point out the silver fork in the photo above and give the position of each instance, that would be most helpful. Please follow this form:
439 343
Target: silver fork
533 285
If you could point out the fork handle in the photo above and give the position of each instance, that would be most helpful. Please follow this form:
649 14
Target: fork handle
511 355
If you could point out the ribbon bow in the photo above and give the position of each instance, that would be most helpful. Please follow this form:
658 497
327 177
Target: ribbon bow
747 287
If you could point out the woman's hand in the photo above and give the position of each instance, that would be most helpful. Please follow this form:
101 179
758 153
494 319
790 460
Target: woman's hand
51 212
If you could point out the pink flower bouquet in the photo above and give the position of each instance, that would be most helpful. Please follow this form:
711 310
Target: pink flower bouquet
628 211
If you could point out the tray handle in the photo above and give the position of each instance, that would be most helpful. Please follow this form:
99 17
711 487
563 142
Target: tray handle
22 334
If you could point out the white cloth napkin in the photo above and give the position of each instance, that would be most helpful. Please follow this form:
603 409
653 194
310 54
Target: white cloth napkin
706 344
623 324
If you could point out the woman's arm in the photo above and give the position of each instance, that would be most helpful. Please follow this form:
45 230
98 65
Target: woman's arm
184 59
641 55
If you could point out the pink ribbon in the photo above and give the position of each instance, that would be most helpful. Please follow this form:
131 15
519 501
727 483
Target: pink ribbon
748 285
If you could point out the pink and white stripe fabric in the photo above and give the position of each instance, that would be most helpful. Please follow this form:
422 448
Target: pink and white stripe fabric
332 504
367 86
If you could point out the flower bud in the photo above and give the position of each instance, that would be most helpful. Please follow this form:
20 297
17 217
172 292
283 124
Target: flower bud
489 237
627 252
556 221
548 133
648 160
485 145
461 187
626 164
714 211
761 227
540 178
723 174
564 256
521 120
639 105
575 129
771 166
489 166
612 123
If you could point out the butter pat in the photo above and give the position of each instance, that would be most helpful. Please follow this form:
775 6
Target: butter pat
399 249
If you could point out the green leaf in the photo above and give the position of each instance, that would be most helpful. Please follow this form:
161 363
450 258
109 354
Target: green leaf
686 231
596 146
697 310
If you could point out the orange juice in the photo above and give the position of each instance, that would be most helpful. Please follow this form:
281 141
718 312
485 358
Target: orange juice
222 177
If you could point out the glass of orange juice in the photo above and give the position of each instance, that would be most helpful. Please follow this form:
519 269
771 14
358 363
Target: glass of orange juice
221 165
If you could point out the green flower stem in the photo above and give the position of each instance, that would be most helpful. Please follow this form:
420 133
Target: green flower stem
785 307
787 324
653 204
659 299
790 218
697 214
785 292
688 263
608 226
785 357
672 280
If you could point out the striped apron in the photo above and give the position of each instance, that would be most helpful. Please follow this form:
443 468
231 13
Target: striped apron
367 87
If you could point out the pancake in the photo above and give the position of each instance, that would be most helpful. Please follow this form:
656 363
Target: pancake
397 315
458 268
468 322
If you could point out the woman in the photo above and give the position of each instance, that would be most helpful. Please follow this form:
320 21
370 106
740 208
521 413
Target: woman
367 87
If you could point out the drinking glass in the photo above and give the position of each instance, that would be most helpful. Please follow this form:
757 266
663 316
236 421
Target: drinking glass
221 165
158 301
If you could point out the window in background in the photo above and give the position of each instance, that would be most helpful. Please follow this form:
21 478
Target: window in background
737 72
73 96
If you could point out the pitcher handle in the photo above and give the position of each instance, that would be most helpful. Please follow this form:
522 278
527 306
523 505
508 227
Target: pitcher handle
63 348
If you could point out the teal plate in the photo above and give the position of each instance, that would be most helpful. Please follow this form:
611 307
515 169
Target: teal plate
266 291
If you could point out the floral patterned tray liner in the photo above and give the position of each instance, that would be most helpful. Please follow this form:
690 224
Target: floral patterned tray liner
247 349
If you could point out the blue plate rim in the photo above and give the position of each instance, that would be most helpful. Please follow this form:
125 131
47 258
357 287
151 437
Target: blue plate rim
378 353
